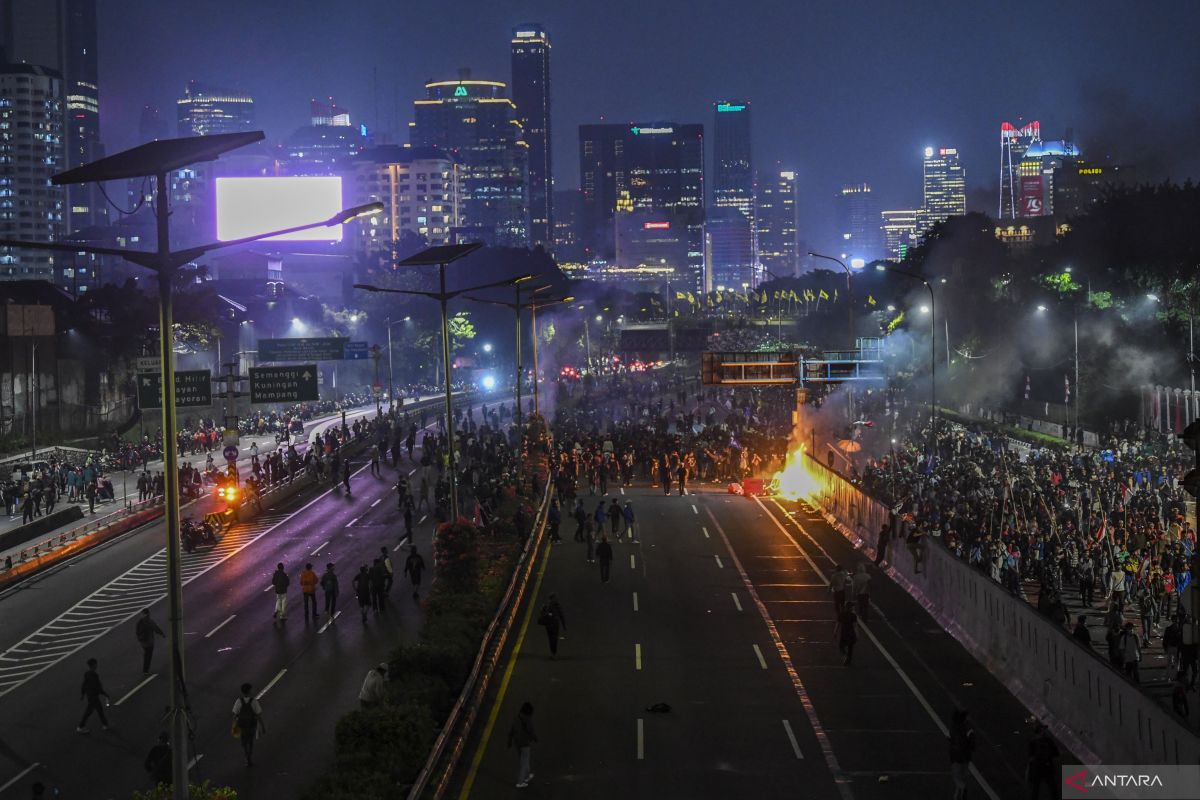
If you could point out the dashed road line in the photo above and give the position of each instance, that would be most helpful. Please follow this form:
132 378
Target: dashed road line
351 522
637 656
641 740
635 601
787 727
632 561
762 662
422 519
695 510
274 681
19 776
736 602
704 530
133 691
329 622
719 564
228 620
320 547
377 502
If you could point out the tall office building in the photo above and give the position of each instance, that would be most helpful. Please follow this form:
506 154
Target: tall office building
31 151
945 188
531 93
476 123
899 232
326 146
733 251
421 191
61 35
1014 142
206 110
568 211
649 166
859 233
775 216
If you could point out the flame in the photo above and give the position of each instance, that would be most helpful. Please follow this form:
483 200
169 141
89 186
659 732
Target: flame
796 481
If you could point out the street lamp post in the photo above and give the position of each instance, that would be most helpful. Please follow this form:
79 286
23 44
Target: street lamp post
158 159
517 307
849 296
932 351
533 309
442 256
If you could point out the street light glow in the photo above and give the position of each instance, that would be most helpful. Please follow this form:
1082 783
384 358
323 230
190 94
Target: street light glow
858 263
1041 308
924 309
487 348
489 382
1153 298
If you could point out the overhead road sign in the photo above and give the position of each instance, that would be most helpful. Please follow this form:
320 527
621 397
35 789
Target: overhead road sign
727 368
293 384
193 389
356 351
306 350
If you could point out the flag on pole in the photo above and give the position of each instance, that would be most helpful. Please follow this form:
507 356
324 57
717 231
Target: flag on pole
1067 389
1026 387
824 295
1102 531
871 300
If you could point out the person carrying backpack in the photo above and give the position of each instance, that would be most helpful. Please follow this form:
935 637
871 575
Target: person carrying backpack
247 722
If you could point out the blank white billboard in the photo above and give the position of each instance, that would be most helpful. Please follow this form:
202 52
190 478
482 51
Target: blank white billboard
250 206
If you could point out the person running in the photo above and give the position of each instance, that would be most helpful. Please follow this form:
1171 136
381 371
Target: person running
414 566
553 619
280 581
604 554
329 585
92 690
308 590
145 631
846 632
248 721
523 737
362 590
961 742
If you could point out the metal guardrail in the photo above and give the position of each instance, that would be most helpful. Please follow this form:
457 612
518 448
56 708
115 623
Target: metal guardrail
475 688
58 540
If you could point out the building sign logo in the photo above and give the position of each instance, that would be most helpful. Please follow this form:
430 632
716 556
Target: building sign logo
1135 782
656 226
460 91
638 130
723 107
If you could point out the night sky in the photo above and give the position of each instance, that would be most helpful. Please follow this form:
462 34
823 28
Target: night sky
841 91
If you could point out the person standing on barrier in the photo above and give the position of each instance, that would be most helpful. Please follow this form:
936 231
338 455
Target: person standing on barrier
523 737
145 630
961 742
554 621
1040 768
329 585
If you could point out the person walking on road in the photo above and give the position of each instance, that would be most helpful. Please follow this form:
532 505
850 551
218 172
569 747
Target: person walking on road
378 575
280 581
961 742
885 535
553 619
91 691
414 566
1040 769
860 582
615 520
248 721
375 453
308 590
362 590
580 515
523 737
604 554
846 632
145 631
329 585
346 475
158 760
553 521
630 527
387 565
838 582
374 688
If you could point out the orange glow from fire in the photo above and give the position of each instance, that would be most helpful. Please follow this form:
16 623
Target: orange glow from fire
796 481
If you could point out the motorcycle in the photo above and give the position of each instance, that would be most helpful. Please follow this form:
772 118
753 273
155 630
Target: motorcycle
195 534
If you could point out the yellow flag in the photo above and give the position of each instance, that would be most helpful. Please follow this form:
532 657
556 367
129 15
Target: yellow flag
791 295
691 298
680 296
824 295
808 294
871 300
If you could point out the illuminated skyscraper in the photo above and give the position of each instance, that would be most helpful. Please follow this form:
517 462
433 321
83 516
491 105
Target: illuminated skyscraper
732 245
858 223
1014 142
899 232
206 110
475 122
945 185
421 192
326 146
531 93
656 166
775 216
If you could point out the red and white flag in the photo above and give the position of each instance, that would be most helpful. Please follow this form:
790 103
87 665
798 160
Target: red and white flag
1102 531
1026 387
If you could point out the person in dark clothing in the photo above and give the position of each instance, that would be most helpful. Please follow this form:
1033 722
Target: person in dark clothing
158 760
580 516
280 581
362 590
329 585
378 575
615 519
846 632
604 554
91 496
248 717
92 690
885 535
1043 752
146 630
962 745
414 566
346 476
553 619
553 521
1081 633
522 736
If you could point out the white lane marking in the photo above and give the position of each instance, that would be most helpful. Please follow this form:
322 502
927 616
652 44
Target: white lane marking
331 619
377 502
195 760
228 620
637 656
274 681
874 640
736 602
412 471
133 691
694 509
704 530
17 778
641 751
719 564
787 727
762 662
632 561
423 518
269 588
320 547
635 602
839 777
622 490
351 522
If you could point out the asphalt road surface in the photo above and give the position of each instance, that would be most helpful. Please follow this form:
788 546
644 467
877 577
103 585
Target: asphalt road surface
723 612
308 674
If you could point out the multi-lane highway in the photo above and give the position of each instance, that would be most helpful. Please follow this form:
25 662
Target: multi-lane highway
308 674
723 612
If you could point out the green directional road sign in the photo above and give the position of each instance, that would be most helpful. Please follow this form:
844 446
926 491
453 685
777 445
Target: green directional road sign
193 389
329 348
283 384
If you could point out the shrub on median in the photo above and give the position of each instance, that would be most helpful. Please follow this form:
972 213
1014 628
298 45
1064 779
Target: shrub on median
203 792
